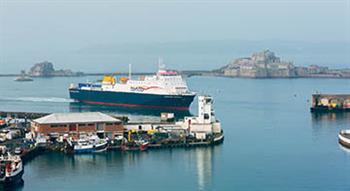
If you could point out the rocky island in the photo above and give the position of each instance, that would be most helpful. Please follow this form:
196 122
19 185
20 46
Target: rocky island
266 64
46 69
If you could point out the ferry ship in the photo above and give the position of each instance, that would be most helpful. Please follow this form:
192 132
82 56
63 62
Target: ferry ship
164 90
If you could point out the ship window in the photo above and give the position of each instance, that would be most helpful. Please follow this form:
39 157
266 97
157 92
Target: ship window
206 116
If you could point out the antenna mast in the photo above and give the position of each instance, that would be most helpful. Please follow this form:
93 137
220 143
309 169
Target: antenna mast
161 66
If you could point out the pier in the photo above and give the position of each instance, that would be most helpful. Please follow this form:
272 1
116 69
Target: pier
330 103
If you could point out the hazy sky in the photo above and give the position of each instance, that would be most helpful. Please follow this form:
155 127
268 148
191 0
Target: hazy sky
98 21
61 25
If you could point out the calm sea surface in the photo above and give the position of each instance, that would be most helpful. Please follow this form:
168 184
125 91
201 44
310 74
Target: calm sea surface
272 141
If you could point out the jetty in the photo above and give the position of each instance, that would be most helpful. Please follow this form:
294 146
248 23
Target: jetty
330 103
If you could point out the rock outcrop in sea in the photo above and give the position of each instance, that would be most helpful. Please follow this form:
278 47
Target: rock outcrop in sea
46 69
260 65
266 64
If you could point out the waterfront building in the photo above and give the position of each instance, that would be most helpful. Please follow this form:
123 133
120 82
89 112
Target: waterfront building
77 123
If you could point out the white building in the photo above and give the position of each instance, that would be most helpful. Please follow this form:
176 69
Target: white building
205 123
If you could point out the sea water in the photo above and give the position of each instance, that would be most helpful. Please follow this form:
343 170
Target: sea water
272 141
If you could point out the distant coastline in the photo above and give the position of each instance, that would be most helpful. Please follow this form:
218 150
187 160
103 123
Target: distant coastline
259 65
191 73
83 74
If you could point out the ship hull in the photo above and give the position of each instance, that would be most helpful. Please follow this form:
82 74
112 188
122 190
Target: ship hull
344 138
91 149
12 179
128 99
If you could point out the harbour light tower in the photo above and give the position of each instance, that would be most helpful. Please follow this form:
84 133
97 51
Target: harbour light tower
205 110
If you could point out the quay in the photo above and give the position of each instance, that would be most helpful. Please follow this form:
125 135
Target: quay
68 132
330 103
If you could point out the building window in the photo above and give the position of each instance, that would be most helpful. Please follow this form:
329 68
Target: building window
109 124
82 125
57 125
91 124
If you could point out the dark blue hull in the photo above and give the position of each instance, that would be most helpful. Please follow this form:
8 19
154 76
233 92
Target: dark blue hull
125 99
328 109
13 179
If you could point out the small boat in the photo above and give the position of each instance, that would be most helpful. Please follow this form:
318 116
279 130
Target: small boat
135 146
344 138
40 141
11 169
3 123
144 145
91 144
23 79
219 139
18 150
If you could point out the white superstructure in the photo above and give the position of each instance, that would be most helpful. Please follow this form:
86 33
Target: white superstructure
164 82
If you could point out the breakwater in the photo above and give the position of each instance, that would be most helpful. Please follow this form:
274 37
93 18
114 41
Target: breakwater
22 115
